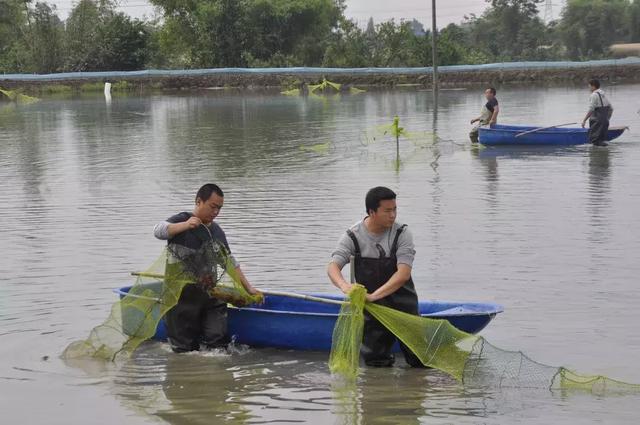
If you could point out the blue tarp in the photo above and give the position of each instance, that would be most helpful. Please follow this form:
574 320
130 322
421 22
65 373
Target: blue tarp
511 66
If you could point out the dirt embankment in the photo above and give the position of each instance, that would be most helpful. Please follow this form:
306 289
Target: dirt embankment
292 79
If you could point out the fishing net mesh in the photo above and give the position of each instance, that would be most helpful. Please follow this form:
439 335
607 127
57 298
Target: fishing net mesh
135 317
466 357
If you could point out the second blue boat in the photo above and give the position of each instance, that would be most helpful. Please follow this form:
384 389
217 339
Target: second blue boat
557 136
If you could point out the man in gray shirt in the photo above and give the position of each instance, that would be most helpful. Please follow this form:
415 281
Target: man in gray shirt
383 254
599 114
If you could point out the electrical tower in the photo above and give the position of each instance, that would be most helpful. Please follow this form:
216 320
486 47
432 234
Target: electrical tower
548 11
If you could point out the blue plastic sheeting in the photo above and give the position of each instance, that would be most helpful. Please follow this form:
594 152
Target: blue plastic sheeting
511 66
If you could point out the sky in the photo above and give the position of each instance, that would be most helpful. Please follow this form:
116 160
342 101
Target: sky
448 11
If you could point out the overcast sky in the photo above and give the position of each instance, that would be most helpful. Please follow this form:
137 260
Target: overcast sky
447 10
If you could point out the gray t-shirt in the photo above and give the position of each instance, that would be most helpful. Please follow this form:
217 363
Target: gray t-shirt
367 241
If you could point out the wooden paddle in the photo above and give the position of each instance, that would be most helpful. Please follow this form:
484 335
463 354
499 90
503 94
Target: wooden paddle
544 128
266 292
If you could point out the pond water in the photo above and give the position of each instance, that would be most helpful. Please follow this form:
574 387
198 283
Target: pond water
551 234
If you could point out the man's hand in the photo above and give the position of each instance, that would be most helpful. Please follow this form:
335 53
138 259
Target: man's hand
253 291
207 282
194 222
583 123
371 298
492 123
346 288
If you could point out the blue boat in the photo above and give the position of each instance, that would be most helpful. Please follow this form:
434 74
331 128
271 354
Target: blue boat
506 135
295 324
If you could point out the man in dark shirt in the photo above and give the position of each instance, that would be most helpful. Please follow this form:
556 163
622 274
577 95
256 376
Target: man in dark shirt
488 114
197 318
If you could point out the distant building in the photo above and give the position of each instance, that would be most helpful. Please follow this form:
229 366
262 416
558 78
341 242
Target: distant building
625 50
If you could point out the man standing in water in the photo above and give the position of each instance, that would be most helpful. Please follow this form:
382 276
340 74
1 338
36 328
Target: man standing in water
488 114
383 251
599 114
197 318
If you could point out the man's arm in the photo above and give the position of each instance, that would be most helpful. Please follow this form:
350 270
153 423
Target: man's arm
397 281
494 116
592 108
335 275
167 230
339 258
586 118
245 282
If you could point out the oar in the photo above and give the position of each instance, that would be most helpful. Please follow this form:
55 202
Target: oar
266 292
544 128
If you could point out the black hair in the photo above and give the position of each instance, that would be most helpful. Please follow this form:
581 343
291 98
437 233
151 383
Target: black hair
205 192
595 83
377 194
492 90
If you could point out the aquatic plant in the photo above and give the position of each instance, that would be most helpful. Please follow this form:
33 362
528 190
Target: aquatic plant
15 96
319 148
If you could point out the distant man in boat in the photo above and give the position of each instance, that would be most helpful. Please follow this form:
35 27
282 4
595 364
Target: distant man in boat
383 253
197 318
599 114
488 114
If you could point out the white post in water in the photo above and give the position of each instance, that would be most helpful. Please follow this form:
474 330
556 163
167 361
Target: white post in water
107 91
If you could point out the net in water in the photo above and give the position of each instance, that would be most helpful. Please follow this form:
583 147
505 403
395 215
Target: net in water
469 358
135 317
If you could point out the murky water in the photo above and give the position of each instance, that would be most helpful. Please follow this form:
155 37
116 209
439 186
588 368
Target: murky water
552 234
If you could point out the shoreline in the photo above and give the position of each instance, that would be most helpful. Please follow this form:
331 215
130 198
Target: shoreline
612 71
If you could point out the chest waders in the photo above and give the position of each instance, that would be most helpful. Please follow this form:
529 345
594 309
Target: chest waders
196 318
485 117
599 123
373 273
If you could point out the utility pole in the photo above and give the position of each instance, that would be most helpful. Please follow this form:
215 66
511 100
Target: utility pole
434 53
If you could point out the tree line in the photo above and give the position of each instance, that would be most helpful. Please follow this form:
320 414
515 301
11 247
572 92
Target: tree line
279 33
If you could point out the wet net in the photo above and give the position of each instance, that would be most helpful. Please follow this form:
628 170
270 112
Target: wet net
468 358
16 96
135 317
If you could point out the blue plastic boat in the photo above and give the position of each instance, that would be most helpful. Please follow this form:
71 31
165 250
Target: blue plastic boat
294 324
506 135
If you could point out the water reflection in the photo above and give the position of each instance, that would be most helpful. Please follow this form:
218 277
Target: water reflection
82 186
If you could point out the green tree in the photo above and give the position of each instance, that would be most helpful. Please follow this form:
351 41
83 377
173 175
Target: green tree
14 45
47 39
509 30
100 39
589 27
82 43
634 22
248 32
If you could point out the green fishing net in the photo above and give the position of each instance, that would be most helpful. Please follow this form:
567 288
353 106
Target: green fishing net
324 87
18 97
135 317
466 357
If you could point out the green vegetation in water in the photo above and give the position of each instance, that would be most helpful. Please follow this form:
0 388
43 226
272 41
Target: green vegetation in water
56 89
291 92
119 86
324 87
17 97
320 148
